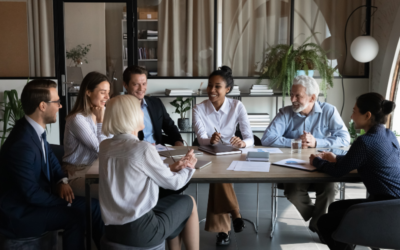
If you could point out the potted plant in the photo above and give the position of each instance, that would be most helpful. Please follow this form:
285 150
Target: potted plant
78 54
12 112
182 106
282 63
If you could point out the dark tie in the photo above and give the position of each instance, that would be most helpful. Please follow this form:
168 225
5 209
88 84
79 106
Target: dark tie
141 135
47 154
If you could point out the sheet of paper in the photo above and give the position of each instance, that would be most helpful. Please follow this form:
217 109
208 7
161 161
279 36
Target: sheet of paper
270 150
251 166
295 163
160 147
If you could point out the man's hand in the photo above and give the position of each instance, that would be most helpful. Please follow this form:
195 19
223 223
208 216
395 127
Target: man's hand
237 142
215 138
308 140
189 160
65 192
179 143
329 156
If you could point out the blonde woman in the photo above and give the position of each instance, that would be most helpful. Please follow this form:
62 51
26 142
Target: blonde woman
130 174
82 134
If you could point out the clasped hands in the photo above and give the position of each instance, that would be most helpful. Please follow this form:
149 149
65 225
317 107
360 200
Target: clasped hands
328 156
235 141
307 140
189 160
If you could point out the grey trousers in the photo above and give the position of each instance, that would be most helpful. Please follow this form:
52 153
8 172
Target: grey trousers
297 194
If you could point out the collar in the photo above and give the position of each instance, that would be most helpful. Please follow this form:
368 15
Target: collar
125 136
224 108
316 109
36 126
143 104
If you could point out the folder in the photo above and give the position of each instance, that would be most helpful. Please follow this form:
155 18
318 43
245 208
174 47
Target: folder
220 149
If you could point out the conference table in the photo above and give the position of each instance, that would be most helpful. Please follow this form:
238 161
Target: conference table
217 172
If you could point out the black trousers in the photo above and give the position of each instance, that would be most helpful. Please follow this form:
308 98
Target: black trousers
329 222
70 219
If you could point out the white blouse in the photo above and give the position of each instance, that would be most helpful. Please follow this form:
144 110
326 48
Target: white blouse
130 174
81 140
225 120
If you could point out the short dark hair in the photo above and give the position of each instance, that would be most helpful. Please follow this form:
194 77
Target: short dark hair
226 73
34 93
377 105
133 70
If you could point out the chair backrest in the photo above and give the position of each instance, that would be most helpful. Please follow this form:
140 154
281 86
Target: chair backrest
58 151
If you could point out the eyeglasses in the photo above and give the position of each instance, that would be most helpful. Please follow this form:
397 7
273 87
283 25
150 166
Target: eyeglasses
58 102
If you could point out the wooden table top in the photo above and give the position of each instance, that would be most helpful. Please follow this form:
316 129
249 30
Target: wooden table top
217 173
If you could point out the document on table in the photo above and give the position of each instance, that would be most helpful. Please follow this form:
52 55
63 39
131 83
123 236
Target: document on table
270 150
295 163
249 166
160 147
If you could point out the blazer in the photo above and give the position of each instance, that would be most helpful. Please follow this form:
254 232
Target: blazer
161 122
23 181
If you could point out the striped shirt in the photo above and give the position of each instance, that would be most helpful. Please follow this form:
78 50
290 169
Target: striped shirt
81 140
130 174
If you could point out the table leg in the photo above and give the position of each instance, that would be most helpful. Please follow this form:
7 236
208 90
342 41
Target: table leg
88 215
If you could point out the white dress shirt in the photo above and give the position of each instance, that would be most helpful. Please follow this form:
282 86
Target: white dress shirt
225 120
82 139
130 174
39 131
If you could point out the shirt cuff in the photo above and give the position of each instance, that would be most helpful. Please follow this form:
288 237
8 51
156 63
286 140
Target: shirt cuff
321 143
288 143
249 142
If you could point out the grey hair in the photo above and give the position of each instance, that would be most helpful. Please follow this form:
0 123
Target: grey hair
312 87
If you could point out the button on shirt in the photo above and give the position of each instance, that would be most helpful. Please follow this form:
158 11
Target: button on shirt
148 130
225 120
323 122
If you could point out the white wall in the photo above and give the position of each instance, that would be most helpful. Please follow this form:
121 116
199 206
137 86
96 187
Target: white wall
85 23
53 130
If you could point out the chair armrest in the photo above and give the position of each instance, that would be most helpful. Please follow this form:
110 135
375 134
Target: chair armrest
372 224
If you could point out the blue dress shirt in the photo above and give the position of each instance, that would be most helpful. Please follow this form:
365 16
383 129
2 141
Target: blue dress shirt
323 122
376 156
148 130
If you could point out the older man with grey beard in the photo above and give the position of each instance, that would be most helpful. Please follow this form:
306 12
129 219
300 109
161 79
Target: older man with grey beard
317 125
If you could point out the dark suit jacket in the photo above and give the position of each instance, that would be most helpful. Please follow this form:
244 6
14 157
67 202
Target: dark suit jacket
161 122
23 182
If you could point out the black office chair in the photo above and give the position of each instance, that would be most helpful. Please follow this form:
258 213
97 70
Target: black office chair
371 224
58 151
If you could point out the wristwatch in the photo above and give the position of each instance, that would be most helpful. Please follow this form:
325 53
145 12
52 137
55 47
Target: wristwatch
65 180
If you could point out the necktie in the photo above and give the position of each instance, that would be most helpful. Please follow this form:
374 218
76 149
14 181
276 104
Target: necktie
47 154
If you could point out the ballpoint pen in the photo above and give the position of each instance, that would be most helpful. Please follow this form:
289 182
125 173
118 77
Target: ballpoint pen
218 133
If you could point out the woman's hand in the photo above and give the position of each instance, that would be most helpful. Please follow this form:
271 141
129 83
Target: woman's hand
328 156
98 112
189 160
312 157
215 138
237 142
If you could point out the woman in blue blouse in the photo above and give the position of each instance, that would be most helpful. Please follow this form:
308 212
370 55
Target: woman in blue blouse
375 155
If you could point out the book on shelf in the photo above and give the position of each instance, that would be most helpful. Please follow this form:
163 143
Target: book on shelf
235 90
152 37
178 92
261 91
260 86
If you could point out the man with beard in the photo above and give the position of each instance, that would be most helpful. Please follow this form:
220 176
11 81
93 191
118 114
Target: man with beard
317 125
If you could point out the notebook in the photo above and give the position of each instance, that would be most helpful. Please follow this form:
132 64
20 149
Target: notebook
220 149
257 156
296 163
177 153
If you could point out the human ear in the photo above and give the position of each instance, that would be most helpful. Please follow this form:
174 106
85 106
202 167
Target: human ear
88 93
368 116
42 106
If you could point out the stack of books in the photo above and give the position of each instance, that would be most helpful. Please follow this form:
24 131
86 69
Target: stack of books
235 90
147 53
258 121
152 34
261 90
178 92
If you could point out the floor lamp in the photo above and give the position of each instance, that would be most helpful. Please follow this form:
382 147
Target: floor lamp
363 49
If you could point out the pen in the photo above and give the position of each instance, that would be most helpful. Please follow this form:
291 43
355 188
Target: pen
220 137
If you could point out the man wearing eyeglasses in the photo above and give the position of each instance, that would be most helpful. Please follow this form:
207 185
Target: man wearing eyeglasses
35 196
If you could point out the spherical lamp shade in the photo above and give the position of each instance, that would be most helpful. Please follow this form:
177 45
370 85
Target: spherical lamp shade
364 48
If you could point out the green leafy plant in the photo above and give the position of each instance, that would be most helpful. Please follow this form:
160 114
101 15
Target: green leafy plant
352 130
78 54
395 133
182 106
12 112
281 62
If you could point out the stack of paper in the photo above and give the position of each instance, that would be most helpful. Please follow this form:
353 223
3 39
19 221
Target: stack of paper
261 90
235 90
249 166
178 92
258 121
